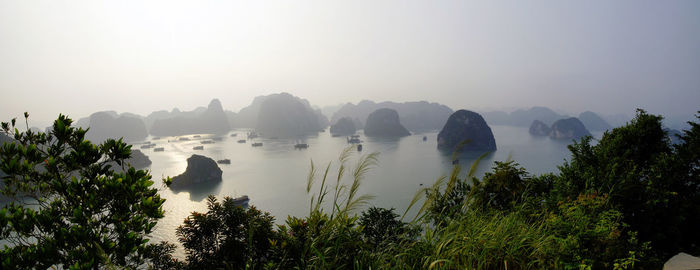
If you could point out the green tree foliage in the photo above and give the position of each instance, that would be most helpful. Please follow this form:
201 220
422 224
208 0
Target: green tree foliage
227 236
69 207
654 185
381 227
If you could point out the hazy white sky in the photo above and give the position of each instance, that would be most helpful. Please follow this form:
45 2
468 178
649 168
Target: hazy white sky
77 57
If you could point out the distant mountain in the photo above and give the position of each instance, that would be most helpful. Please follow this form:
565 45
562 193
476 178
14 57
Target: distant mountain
284 115
345 126
231 116
523 118
5 139
328 111
212 120
110 125
539 129
616 120
385 122
415 116
593 121
248 117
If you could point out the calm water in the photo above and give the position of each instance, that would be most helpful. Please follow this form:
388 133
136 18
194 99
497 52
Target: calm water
274 175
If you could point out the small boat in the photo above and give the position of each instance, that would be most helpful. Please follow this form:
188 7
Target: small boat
257 144
183 139
197 136
301 146
354 140
359 147
198 147
234 134
224 161
241 201
159 149
207 142
252 135
147 146
425 138
146 143
241 141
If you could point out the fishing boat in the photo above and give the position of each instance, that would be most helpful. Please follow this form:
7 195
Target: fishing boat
257 144
241 201
159 149
207 142
234 134
301 146
241 141
224 161
198 147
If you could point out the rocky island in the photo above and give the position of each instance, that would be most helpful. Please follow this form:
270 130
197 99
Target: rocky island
384 123
592 121
212 120
464 125
415 116
284 115
200 169
569 128
108 124
345 126
538 128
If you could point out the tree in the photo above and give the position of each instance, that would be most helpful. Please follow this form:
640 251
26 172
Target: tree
381 226
227 236
70 208
653 184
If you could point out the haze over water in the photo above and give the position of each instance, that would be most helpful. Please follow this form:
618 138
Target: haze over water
274 175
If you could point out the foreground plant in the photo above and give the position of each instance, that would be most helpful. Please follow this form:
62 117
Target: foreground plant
73 204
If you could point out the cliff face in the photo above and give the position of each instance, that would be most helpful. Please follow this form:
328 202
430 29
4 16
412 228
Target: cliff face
539 129
105 125
569 128
345 126
200 169
284 115
468 126
384 123
415 116
211 120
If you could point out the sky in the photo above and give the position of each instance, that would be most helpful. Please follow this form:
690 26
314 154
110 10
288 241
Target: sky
79 57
